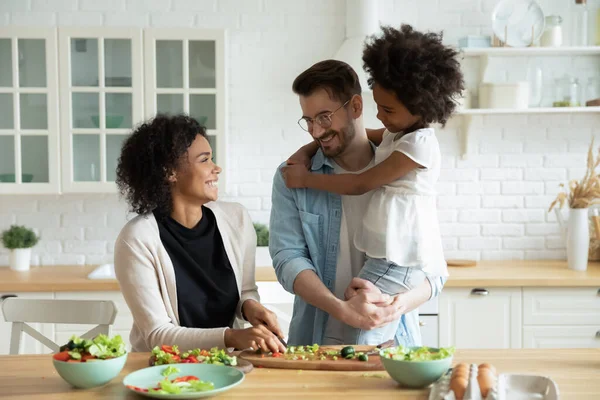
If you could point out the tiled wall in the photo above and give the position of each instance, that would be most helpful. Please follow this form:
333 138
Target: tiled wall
492 205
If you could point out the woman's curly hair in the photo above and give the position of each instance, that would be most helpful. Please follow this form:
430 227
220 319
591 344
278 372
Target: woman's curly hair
149 155
424 74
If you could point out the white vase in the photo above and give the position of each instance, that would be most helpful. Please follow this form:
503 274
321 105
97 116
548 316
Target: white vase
578 239
20 259
263 258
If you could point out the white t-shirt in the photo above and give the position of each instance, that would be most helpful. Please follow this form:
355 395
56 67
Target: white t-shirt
350 260
401 223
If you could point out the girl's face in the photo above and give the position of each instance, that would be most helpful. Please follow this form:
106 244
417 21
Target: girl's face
391 112
197 175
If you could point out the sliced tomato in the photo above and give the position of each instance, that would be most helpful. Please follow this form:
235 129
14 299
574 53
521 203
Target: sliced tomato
186 378
137 389
62 356
75 361
192 359
277 355
168 349
204 353
86 357
176 358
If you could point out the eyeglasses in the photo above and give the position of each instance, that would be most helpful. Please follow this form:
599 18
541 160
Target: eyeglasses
324 120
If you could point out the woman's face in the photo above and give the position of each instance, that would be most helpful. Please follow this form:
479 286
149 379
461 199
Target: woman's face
391 112
197 176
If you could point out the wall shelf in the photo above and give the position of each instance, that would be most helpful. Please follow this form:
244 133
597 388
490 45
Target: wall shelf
533 110
468 114
530 51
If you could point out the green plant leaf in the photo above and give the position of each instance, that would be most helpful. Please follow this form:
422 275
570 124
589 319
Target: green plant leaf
19 237
262 234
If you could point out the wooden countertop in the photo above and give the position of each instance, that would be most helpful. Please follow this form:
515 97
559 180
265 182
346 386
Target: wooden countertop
505 273
485 274
33 377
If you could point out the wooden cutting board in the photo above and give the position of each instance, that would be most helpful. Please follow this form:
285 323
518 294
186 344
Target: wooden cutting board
266 361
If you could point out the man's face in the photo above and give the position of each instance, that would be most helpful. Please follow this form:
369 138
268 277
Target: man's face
335 139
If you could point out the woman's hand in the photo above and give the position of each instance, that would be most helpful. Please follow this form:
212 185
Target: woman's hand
295 176
257 314
257 337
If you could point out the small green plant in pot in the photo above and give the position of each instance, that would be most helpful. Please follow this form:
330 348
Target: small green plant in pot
263 258
19 240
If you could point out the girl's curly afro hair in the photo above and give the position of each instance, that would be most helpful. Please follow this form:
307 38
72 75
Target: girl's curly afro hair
149 155
424 74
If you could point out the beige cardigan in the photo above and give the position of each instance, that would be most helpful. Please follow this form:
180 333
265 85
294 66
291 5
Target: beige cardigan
147 279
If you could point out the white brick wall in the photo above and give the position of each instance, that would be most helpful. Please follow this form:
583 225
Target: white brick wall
493 205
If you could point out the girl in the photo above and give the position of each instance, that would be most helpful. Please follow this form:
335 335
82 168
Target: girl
415 79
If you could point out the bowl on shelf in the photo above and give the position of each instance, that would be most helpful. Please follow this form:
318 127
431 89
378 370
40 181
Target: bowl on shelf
112 121
25 178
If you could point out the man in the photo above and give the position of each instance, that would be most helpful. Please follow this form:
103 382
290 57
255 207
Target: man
311 241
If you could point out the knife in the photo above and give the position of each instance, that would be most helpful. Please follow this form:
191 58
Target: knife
381 346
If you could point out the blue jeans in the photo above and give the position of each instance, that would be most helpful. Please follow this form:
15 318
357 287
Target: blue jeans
391 279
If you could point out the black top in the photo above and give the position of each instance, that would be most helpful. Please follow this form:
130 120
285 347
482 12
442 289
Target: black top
207 294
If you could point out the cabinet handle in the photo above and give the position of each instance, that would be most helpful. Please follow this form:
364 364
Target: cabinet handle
479 292
6 296
598 292
421 323
598 334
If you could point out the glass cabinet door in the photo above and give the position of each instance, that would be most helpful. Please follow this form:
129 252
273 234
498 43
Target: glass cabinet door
101 102
28 111
185 74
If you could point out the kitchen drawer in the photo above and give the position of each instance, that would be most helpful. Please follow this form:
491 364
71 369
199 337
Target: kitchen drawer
561 306
561 337
429 330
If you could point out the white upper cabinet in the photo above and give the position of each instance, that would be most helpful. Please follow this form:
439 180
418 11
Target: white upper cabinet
29 144
185 73
101 101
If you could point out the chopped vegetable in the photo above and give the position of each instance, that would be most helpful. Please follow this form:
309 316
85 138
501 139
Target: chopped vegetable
418 354
83 350
170 371
347 352
363 357
171 355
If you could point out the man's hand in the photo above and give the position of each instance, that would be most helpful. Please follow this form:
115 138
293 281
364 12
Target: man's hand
362 284
368 310
257 314
295 176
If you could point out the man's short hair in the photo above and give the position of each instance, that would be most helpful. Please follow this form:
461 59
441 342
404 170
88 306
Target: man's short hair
336 77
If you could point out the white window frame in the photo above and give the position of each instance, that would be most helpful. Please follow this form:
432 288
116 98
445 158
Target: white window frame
66 89
220 91
51 91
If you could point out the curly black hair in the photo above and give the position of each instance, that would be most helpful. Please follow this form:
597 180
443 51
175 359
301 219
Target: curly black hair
424 74
149 155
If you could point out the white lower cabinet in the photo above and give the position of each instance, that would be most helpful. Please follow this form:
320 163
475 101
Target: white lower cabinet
277 299
561 337
480 318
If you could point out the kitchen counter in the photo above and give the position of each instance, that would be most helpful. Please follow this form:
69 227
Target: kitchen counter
485 274
575 371
506 273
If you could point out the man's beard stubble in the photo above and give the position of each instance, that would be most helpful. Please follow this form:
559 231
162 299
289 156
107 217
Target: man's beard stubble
345 137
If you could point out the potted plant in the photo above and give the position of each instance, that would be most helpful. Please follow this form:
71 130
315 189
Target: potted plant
263 258
19 240
579 197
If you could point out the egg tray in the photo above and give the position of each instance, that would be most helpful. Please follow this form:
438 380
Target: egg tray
506 387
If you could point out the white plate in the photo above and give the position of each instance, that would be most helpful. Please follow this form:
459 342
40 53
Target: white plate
518 16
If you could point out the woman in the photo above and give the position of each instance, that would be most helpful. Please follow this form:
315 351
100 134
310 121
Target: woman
185 264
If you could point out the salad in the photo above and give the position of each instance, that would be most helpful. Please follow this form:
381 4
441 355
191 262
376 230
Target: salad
172 355
182 384
84 350
417 354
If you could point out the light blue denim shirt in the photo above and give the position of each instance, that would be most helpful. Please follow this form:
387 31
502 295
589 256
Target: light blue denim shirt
305 234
